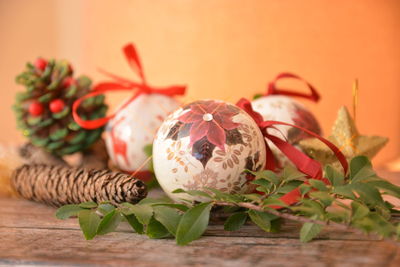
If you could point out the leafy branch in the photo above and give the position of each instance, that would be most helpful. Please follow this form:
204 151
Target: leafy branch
346 202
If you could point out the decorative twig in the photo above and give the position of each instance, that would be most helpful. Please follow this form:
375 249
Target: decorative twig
289 216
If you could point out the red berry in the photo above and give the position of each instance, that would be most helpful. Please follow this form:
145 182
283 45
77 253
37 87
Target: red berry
57 105
36 108
68 82
40 64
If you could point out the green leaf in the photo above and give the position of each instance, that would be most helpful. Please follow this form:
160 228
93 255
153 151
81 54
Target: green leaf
235 221
318 184
385 186
68 211
264 185
266 174
195 193
334 176
252 197
180 207
156 230
304 189
262 182
262 219
358 210
309 207
360 169
193 223
224 196
105 208
109 222
344 190
263 189
89 222
148 150
322 196
230 209
339 216
256 96
88 205
289 186
274 202
143 212
309 231
381 225
291 173
368 193
383 211
153 201
168 217
276 225
134 223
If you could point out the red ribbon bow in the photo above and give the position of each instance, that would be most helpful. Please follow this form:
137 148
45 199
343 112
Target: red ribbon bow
122 84
305 164
274 90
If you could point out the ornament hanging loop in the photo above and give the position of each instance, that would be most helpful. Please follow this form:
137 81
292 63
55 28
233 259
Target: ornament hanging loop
274 90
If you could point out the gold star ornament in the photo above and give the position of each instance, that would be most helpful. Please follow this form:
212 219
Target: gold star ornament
346 137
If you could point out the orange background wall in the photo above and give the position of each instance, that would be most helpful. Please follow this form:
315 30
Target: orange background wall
222 49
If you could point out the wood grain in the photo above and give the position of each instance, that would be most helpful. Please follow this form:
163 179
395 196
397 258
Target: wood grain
31 235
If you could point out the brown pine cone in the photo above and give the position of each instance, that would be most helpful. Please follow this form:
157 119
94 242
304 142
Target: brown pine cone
59 185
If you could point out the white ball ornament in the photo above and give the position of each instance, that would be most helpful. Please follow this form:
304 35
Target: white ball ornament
286 109
134 127
207 143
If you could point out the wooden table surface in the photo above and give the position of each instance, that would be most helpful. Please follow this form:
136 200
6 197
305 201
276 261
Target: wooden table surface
31 235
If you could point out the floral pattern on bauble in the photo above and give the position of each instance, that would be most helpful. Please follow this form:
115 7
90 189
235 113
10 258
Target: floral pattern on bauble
208 144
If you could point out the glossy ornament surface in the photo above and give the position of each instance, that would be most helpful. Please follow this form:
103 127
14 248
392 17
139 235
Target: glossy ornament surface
207 143
134 127
286 109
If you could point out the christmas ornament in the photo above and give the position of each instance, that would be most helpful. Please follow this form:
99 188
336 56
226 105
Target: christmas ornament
278 105
346 136
133 126
310 167
44 110
207 143
59 185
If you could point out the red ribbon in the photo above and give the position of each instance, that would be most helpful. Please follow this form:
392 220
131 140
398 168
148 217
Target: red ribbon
273 90
122 84
305 164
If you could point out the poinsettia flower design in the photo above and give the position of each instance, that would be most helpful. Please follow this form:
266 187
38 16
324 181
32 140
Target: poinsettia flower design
209 119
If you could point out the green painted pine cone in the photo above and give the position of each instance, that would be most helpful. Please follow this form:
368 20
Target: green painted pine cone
44 109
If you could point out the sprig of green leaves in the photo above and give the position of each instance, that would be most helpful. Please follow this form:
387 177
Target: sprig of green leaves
354 201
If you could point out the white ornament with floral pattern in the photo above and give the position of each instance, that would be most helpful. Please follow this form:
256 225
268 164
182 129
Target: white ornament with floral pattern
134 127
286 109
207 143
